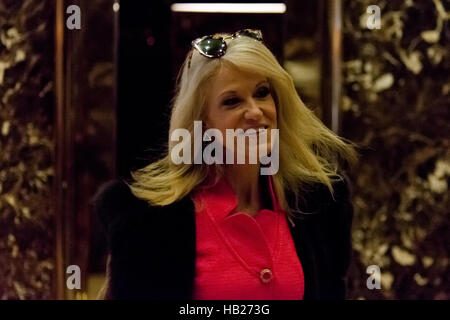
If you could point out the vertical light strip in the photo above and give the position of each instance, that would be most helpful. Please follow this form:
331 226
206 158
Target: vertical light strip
335 33
115 108
58 156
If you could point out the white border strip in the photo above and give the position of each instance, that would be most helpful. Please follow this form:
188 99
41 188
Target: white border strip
229 7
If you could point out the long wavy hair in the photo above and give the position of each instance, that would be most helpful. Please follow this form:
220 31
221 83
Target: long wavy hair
308 151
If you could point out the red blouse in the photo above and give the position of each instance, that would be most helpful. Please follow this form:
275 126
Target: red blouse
240 257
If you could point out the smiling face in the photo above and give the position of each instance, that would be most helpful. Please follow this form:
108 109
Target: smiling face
240 100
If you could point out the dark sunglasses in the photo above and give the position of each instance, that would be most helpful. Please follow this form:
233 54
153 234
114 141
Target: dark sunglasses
214 46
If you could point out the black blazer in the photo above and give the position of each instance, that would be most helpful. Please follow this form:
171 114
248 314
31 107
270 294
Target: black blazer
152 249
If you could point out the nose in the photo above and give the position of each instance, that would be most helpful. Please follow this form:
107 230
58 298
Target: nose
253 112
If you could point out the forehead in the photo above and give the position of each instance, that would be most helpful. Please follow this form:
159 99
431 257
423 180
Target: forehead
230 78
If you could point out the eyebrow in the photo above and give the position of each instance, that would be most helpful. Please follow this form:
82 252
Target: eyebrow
234 91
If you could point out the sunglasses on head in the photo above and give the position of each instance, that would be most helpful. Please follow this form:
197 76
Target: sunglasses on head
214 46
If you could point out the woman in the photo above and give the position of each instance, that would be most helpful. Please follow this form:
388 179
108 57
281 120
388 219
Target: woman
220 229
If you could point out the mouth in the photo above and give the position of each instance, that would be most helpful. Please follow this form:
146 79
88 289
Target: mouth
255 131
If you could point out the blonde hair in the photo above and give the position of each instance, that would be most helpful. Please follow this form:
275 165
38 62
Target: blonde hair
308 150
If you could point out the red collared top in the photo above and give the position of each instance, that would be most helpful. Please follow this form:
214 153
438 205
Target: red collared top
240 257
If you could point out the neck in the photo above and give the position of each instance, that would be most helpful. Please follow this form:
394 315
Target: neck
244 180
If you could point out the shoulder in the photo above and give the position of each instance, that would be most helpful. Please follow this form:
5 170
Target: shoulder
316 199
343 188
111 197
335 210
341 204
112 194
119 209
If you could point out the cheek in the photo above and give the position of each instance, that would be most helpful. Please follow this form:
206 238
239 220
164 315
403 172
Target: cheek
228 120
212 118
272 111
220 120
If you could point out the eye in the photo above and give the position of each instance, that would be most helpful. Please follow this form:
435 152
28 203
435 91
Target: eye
230 101
262 92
